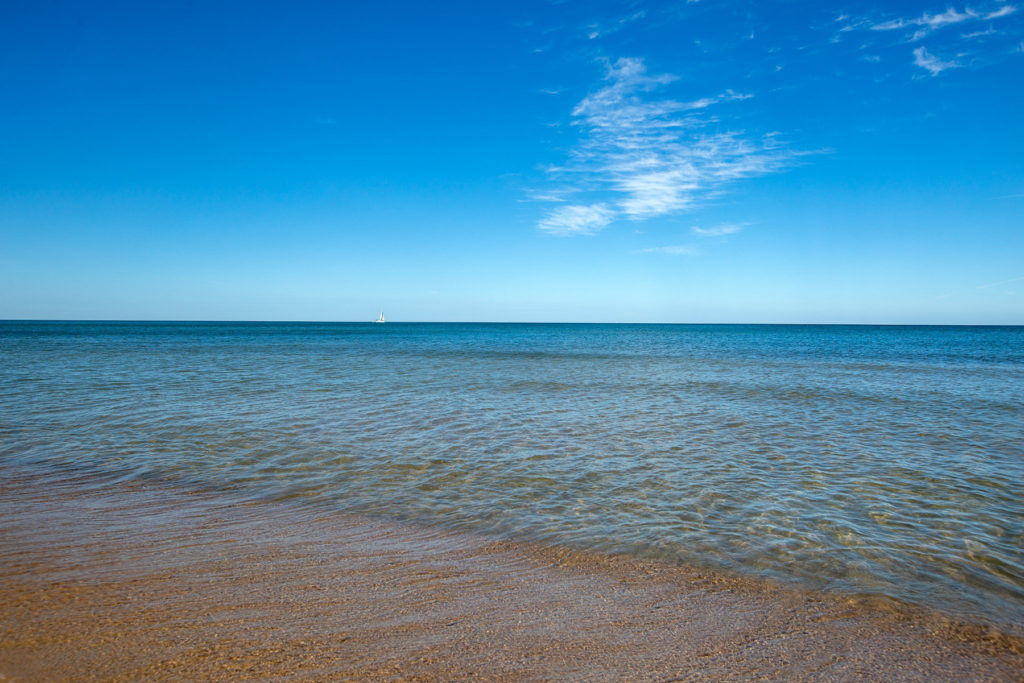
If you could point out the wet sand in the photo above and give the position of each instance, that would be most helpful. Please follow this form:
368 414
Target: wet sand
112 582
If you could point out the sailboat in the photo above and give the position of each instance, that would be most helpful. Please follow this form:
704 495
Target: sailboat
381 318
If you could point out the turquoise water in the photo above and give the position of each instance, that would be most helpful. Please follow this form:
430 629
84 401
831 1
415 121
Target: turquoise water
884 460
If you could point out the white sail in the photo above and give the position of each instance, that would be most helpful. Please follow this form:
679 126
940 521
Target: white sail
381 318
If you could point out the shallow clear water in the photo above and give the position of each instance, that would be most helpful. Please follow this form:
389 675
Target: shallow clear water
886 460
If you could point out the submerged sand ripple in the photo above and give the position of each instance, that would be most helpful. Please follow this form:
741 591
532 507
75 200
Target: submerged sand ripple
122 582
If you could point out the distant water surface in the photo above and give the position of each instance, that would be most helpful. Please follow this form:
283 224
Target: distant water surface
884 460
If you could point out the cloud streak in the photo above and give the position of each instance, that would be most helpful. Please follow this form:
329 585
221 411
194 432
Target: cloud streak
577 219
648 156
1001 282
984 36
595 30
927 23
933 64
717 231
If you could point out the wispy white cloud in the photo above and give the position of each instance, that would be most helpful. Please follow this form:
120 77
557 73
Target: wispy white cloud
1001 282
933 64
704 102
596 30
674 250
549 196
987 285
718 230
656 156
1004 11
577 219
653 191
928 22
919 28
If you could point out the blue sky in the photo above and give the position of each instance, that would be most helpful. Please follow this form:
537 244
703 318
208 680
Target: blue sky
535 161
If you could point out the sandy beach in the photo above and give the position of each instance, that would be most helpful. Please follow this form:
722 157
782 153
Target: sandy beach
102 581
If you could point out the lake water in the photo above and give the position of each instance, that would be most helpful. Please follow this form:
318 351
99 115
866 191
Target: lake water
881 460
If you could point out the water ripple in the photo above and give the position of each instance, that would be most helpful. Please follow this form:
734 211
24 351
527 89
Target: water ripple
882 460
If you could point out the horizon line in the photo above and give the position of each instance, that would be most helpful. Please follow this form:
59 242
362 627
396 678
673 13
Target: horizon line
487 322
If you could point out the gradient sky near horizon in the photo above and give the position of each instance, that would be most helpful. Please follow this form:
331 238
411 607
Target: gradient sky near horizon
712 161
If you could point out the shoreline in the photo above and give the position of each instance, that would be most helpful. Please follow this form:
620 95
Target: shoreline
118 581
